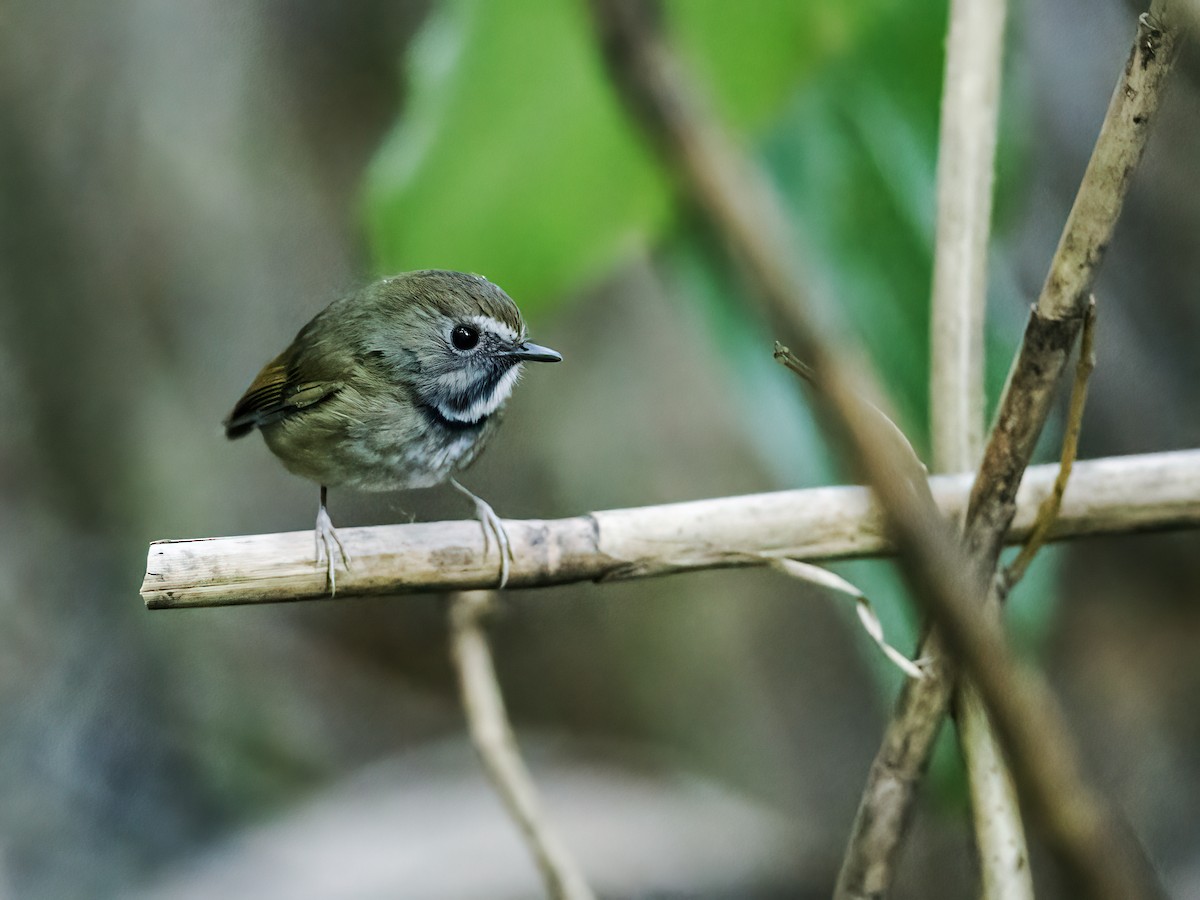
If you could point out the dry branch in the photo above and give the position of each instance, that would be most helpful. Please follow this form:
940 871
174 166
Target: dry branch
1107 496
1098 856
1044 353
493 738
1062 305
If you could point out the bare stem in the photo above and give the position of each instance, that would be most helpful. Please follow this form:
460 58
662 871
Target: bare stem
497 748
966 161
1062 304
966 165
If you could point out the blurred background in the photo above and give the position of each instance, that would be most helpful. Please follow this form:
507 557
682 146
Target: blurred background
182 185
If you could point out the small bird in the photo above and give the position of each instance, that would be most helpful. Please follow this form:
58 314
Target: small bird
395 386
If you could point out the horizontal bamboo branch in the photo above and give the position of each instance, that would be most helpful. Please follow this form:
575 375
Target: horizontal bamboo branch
1107 496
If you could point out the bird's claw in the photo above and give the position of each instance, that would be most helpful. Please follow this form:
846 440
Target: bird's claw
492 527
327 539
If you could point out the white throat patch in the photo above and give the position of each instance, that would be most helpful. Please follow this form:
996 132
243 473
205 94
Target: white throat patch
488 403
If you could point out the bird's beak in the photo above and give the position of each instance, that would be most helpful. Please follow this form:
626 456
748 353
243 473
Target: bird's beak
535 353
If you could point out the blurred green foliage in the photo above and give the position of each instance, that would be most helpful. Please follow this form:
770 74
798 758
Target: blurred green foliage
514 159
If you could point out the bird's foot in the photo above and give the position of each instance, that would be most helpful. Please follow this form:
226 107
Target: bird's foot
492 527
327 539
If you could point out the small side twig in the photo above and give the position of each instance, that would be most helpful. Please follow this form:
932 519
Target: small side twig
497 748
823 578
915 469
1048 511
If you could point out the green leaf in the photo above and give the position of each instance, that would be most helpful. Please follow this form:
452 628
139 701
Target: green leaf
513 157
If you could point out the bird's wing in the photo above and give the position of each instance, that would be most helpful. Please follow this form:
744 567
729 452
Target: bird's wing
289 383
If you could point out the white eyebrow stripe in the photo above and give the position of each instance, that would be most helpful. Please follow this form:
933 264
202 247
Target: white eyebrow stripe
487 323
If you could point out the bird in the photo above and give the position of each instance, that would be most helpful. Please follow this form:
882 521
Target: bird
393 386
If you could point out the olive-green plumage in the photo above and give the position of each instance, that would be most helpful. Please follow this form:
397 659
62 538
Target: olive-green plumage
375 394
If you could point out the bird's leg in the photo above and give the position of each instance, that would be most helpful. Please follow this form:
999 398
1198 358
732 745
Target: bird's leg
491 525
326 539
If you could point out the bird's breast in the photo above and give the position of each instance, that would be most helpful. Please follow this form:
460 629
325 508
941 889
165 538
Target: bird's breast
376 446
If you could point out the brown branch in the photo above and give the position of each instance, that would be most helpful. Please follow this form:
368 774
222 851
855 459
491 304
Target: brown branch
1042 358
493 738
1062 305
1097 855
1107 496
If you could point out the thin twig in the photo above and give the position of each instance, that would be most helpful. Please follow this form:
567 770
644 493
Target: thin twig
799 367
1098 856
1004 867
493 738
867 617
966 162
1119 495
1048 511
902 445
966 166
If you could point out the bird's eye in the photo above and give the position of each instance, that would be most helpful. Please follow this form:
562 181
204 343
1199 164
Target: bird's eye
464 337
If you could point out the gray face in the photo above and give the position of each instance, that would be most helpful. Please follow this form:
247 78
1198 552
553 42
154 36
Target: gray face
467 369
462 367
451 340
